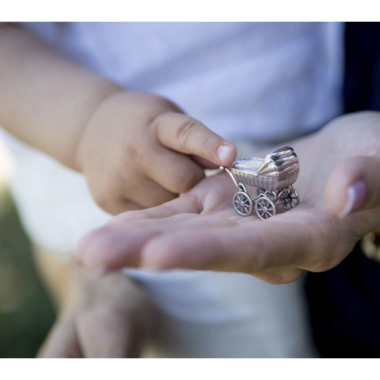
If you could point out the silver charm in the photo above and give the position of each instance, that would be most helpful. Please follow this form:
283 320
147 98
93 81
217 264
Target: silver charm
273 176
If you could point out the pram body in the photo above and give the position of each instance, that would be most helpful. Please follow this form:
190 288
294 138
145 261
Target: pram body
273 176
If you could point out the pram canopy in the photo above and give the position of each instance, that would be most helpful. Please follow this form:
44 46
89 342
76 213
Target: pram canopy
277 171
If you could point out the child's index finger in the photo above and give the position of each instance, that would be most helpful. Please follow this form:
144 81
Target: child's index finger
186 135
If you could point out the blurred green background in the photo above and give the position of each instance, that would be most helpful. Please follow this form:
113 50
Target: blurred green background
26 313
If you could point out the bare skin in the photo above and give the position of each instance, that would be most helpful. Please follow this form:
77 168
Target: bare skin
99 318
135 150
201 230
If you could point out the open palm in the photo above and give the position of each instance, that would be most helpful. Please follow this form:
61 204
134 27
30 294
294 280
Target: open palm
202 231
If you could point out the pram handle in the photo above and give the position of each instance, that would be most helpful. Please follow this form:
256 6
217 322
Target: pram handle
231 175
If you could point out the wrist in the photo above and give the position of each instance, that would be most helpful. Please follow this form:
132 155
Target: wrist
47 102
104 97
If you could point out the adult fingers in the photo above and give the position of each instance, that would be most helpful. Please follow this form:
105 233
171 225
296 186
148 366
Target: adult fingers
113 246
310 244
354 185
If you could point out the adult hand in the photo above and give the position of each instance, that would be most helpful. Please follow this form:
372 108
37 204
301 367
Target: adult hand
102 318
339 186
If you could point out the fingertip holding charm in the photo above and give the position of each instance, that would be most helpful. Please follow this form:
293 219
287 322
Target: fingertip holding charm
273 176
223 152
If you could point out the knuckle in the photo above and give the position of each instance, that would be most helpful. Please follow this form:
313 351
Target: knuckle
158 104
184 131
210 141
156 121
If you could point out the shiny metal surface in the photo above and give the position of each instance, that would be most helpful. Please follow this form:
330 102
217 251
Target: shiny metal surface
265 208
242 203
277 171
273 176
292 200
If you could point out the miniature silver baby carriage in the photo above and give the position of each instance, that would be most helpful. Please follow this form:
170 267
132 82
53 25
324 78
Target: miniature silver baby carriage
273 176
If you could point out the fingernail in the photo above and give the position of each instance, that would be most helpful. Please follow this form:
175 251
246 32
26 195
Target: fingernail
223 152
355 197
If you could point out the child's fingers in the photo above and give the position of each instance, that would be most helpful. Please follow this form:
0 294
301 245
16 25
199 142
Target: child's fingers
354 185
147 193
186 135
131 197
206 164
174 171
116 205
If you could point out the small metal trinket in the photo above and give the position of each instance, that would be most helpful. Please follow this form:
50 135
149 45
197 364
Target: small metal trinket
273 176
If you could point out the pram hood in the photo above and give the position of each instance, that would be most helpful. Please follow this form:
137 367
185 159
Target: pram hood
281 163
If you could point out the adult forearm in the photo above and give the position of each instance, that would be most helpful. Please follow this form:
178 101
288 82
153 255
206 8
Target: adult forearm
45 99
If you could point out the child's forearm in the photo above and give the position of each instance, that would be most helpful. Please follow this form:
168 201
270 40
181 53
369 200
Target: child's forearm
46 100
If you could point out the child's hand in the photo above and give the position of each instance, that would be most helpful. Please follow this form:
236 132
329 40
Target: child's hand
131 147
135 152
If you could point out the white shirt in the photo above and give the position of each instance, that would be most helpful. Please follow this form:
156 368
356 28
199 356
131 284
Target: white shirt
260 82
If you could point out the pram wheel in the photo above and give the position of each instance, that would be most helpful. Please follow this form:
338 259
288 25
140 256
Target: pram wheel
292 200
272 195
242 203
265 208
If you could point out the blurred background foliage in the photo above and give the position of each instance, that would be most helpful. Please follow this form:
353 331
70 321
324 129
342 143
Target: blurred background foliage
26 313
